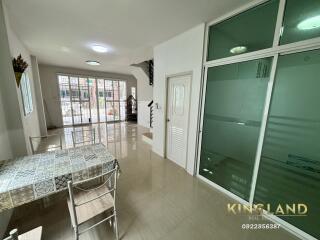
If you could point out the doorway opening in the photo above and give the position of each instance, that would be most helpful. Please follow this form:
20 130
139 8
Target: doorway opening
86 100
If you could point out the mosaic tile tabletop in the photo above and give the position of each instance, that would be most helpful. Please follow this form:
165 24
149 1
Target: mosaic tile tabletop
28 178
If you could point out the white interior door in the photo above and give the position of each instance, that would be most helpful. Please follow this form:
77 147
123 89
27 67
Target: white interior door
178 102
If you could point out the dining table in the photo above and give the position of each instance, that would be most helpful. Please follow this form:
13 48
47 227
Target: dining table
29 178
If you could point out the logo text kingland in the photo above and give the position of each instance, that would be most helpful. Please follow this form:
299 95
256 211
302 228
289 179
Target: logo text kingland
295 209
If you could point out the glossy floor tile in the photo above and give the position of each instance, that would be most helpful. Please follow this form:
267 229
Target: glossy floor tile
156 199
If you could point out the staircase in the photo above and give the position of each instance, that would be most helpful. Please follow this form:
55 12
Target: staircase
148 136
147 68
150 105
150 70
143 72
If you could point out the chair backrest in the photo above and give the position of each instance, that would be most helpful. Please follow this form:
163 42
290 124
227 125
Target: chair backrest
13 235
83 137
108 186
41 144
34 234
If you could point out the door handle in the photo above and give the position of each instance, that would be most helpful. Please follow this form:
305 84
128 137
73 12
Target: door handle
168 120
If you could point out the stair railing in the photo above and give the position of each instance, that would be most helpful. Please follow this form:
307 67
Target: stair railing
150 105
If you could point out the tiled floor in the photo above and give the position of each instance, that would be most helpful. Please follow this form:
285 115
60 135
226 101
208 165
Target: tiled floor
156 200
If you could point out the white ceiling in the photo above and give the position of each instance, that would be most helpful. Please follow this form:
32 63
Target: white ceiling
59 32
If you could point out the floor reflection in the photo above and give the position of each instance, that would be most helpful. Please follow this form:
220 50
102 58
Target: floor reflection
157 200
117 137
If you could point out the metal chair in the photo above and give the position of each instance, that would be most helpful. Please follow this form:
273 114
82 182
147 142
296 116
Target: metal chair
34 234
45 143
83 137
86 203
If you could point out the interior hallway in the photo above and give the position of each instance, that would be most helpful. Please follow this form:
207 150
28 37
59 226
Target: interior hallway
156 199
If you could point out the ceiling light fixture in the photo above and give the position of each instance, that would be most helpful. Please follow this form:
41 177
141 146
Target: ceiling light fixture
93 63
65 49
99 48
238 50
309 23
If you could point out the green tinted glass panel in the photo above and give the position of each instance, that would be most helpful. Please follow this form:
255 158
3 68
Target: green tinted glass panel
234 104
301 21
290 163
252 30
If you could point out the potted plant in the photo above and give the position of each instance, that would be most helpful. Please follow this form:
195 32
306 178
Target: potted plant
19 66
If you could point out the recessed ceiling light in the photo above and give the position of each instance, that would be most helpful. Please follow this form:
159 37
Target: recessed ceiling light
238 50
310 23
93 63
65 49
99 48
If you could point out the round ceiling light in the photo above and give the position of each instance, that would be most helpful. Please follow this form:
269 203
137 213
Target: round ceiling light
238 50
93 63
309 23
99 48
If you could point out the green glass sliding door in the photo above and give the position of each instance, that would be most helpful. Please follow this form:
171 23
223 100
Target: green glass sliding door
235 97
290 164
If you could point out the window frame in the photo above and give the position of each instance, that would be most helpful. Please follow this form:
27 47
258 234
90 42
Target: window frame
78 76
245 8
26 94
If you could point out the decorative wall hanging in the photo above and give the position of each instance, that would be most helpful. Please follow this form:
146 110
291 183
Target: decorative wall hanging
19 66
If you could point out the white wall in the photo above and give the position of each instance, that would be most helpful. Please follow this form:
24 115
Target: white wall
30 122
50 88
181 54
144 113
12 142
39 97
145 95
11 111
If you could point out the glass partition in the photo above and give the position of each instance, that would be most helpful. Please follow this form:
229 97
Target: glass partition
301 21
235 97
290 162
289 170
249 31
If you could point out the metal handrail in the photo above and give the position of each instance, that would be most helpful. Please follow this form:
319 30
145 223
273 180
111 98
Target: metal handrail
150 105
